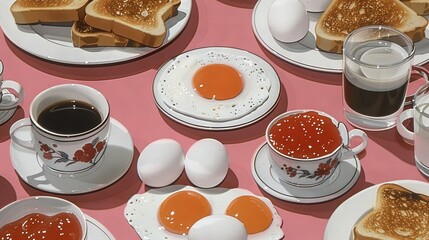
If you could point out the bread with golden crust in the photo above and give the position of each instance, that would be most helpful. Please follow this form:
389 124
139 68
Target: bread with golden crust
343 16
421 7
35 11
398 214
142 21
84 35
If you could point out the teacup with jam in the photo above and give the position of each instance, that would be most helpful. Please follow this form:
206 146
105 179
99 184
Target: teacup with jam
306 146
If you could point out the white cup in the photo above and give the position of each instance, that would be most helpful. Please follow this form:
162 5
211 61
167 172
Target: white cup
11 92
419 135
311 172
71 152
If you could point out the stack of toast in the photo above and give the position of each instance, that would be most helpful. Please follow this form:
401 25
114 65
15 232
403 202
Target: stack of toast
344 16
127 23
398 214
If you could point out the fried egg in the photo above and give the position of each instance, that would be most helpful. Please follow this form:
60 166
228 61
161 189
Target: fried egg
214 86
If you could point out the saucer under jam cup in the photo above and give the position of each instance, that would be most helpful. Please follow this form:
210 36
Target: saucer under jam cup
319 128
66 151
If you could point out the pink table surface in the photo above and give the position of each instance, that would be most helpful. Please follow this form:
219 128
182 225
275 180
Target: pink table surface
128 86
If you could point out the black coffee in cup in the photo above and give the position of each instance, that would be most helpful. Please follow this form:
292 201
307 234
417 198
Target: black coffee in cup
69 117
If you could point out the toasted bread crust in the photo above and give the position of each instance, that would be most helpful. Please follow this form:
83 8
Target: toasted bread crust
343 16
398 214
134 22
421 7
25 12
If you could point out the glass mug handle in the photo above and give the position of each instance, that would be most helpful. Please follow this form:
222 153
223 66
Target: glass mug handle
423 73
405 133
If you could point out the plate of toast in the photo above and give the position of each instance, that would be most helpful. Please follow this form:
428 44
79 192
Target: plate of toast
92 32
391 210
308 53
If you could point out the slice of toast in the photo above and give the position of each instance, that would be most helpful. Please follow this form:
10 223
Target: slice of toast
84 35
398 214
140 20
343 16
35 11
421 7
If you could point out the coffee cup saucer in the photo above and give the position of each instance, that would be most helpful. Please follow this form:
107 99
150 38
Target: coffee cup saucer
96 230
114 164
342 180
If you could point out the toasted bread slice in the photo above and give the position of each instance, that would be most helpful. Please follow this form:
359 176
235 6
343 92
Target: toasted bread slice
398 214
421 7
84 35
34 11
140 20
343 16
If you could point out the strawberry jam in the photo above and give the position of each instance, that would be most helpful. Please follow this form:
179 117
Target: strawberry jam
304 135
37 226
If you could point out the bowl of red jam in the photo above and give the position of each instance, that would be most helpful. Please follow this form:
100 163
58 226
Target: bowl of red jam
42 217
306 146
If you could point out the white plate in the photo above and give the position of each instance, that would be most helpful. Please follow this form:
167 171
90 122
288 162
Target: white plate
96 230
246 120
53 42
342 221
304 53
115 163
343 179
142 211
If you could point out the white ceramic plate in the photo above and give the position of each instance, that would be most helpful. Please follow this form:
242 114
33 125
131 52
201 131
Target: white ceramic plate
341 222
343 179
115 163
53 42
96 230
246 120
142 211
304 53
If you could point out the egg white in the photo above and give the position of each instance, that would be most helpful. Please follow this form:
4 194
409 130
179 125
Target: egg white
178 93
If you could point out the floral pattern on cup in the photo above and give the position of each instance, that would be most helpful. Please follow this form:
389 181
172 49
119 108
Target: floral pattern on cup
323 170
88 153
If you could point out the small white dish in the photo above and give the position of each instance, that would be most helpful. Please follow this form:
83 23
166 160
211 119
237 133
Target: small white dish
304 53
205 124
7 113
117 160
342 221
142 211
53 42
96 230
342 180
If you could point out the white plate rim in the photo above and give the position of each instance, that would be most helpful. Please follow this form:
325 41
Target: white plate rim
311 58
218 197
345 216
287 196
49 50
254 116
79 188
100 228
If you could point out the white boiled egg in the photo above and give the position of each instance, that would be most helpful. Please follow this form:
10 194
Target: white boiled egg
316 5
206 163
217 227
161 163
288 20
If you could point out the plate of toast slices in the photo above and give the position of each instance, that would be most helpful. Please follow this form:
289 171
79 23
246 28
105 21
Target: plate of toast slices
91 32
391 210
321 48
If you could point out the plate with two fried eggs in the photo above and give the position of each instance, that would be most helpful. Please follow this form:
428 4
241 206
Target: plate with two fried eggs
216 88
171 213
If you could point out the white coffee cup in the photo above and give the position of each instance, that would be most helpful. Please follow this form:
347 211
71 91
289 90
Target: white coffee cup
66 152
11 92
313 171
419 135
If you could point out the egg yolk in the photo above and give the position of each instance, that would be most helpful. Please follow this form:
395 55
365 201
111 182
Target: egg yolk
252 212
218 81
179 211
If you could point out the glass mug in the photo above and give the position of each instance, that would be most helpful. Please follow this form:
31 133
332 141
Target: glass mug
419 136
377 66
9 99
